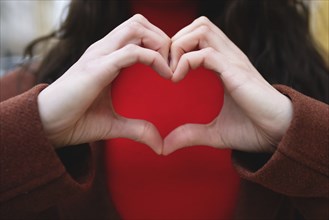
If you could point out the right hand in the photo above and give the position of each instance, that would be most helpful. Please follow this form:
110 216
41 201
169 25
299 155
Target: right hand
77 108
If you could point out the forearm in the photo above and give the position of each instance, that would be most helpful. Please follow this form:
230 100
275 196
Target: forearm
33 176
299 166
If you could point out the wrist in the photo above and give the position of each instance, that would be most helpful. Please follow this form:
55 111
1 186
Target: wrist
43 107
284 121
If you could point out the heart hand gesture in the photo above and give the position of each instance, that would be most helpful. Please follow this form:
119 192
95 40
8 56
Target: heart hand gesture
77 108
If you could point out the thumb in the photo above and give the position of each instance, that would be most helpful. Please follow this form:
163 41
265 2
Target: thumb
189 135
137 130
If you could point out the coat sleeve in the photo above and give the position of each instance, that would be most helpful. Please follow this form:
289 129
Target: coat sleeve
299 168
33 176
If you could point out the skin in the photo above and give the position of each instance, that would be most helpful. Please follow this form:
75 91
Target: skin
77 108
254 116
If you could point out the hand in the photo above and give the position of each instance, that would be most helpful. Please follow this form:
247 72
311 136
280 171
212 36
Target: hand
77 108
254 116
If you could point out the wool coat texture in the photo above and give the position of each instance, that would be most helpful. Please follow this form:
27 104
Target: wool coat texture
39 182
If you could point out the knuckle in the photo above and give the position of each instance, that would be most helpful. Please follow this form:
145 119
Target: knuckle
174 46
135 28
204 29
210 50
187 134
185 57
203 20
130 51
208 56
245 57
131 48
155 54
203 34
139 18
92 47
144 131
167 42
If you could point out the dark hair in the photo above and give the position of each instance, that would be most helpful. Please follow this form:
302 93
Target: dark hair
273 34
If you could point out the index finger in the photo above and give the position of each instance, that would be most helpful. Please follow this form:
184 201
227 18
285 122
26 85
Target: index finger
145 22
137 30
205 21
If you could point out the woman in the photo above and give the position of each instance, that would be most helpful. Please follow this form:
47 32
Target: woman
273 136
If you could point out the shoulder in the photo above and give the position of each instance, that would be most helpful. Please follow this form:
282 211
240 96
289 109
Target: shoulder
17 81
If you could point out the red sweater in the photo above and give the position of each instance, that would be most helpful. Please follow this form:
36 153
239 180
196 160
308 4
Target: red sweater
193 183
37 182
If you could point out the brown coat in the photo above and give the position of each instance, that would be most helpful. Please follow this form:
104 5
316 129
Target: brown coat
37 182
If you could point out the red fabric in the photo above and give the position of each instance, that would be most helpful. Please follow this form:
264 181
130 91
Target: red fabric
193 183
296 172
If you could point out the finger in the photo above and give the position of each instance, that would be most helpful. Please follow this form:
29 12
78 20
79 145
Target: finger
240 83
232 75
145 22
137 130
98 74
137 30
189 135
205 26
127 56
137 34
208 58
199 38
203 21
131 54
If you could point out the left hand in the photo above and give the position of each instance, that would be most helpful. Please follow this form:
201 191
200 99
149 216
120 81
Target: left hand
254 117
